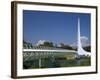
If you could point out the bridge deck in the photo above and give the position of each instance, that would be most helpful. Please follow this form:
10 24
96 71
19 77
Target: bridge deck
47 50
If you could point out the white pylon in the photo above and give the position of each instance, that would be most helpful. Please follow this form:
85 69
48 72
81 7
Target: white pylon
80 50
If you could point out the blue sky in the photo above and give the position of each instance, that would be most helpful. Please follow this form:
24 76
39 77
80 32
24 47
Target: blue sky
58 27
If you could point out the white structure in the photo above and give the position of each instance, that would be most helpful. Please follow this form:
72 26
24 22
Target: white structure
80 50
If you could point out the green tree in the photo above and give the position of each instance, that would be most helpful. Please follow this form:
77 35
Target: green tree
65 46
27 44
87 48
48 44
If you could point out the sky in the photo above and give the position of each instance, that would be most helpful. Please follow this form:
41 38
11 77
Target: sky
57 27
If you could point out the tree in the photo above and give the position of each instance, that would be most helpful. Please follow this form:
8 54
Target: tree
87 48
67 47
48 44
27 44
62 45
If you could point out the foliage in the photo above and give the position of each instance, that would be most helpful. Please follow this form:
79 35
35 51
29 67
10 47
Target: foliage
87 48
27 44
65 46
47 44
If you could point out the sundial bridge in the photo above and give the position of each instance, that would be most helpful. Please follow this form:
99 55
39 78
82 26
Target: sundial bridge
38 52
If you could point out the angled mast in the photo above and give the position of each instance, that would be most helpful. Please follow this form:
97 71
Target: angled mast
80 50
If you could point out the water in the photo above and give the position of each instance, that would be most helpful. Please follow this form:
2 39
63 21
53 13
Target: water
55 62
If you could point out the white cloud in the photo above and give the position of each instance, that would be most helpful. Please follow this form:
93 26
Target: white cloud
40 42
84 40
